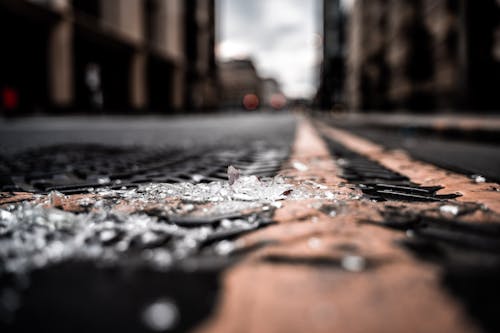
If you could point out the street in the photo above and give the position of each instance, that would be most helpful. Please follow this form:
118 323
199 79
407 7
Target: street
220 166
456 154
468 157
151 131
136 224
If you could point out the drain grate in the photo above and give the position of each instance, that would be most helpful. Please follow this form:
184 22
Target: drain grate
378 182
144 259
467 253
479 236
146 256
73 169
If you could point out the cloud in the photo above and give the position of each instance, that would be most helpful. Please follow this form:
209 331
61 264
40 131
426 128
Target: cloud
278 35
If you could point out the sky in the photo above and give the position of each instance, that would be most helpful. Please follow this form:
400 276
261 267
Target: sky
281 36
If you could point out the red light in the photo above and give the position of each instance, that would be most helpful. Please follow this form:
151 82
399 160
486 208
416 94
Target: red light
278 101
10 98
251 101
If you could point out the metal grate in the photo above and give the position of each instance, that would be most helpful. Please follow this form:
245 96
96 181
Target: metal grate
467 253
74 168
378 182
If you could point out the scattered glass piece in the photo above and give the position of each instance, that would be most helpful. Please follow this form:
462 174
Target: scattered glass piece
410 233
449 210
160 315
6 217
479 178
299 166
197 178
103 180
314 243
353 263
329 195
224 248
232 174
55 198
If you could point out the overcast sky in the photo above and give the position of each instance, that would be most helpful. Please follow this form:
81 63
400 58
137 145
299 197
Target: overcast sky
282 37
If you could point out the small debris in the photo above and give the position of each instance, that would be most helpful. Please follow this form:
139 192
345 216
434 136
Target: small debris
161 315
277 204
107 235
329 195
410 233
478 178
299 166
56 199
314 243
353 263
316 205
103 180
342 162
224 248
6 217
449 210
320 186
162 258
233 174
197 178
226 223
86 202
189 207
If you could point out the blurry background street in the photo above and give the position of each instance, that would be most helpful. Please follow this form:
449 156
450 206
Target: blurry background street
188 132
138 58
462 150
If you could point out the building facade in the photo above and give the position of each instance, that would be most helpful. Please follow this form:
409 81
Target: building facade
239 79
417 54
271 94
332 77
108 54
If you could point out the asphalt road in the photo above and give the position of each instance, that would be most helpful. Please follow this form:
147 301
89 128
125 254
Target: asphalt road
82 296
466 157
231 129
151 131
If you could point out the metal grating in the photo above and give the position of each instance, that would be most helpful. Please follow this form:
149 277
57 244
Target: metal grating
467 253
378 182
75 168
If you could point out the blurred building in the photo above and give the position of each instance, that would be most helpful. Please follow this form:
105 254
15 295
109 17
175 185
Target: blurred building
414 54
272 95
240 83
107 54
331 89
202 81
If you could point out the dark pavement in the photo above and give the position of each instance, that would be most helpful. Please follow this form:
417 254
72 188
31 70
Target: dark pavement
463 143
150 131
466 157
234 129
134 227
